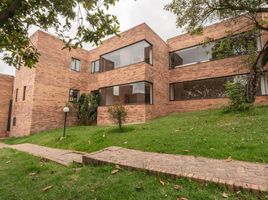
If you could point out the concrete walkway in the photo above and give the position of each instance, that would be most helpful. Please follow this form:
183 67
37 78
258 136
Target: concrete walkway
234 174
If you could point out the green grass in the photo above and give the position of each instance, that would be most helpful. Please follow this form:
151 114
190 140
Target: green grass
212 133
23 176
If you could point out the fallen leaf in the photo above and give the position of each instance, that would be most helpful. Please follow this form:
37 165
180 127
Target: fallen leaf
74 177
229 159
117 167
182 198
161 182
177 187
115 171
225 195
138 188
47 188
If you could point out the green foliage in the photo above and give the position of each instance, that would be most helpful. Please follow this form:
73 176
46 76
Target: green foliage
235 91
87 109
195 14
17 16
118 113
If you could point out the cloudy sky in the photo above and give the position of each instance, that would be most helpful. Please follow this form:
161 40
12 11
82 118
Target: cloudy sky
131 13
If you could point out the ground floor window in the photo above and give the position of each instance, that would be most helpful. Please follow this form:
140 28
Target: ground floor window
209 88
74 95
133 93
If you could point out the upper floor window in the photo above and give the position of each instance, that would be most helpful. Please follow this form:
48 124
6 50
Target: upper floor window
16 94
236 45
75 65
24 93
74 95
135 53
95 66
133 93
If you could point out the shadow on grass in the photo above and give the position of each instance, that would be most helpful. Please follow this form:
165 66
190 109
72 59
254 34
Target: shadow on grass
125 129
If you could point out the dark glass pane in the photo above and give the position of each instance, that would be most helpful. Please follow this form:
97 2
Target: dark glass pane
73 95
205 89
135 53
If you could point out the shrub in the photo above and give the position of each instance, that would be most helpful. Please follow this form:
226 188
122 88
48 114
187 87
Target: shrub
235 91
118 113
87 109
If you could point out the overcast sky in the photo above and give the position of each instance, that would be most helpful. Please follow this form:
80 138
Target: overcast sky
131 13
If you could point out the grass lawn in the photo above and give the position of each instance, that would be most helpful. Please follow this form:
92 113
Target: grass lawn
212 133
23 176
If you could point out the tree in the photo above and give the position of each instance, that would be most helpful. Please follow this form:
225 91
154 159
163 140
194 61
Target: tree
17 16
118 114
195 14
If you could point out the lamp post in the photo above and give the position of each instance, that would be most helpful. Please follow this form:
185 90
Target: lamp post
65 110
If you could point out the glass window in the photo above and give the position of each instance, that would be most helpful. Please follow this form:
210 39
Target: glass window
207 52
207 88
264 86
95 66
73 95
16 95
191 55
24 93
75 65
139 52
14 121
134 93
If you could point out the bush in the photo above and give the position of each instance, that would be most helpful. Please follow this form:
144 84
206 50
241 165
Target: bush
87 109
235 91
118 113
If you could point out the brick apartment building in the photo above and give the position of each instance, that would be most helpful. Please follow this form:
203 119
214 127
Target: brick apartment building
149 76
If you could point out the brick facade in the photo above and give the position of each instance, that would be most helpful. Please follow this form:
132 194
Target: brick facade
48 84
6 85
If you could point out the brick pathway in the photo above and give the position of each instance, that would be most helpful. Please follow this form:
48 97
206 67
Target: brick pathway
234 174
64 157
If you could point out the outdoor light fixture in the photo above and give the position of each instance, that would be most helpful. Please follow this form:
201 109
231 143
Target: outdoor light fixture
65 110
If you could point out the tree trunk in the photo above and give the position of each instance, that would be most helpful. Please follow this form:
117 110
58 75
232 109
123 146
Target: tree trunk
255 73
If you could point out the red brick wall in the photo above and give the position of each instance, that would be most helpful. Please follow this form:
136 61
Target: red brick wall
6 85
135 114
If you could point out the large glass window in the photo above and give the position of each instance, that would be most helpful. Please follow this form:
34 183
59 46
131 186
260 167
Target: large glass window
134 93
75 65
139 52
205 52
208 88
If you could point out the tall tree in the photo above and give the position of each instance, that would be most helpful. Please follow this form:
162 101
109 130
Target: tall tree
195 14
18 16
